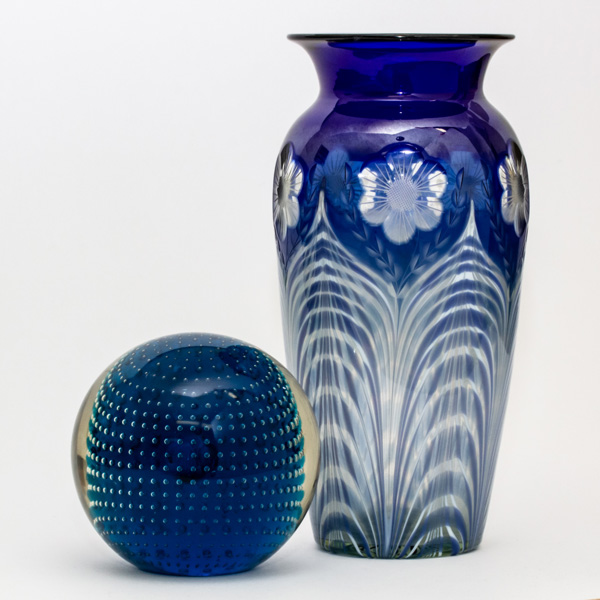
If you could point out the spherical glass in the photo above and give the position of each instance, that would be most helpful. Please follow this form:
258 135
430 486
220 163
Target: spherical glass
195 454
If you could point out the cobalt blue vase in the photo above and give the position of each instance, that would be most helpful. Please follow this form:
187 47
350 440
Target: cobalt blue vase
401 204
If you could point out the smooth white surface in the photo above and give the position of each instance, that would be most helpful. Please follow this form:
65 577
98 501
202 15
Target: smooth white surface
137 144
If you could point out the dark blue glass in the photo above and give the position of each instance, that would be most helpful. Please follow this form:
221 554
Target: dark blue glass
194 460
401 204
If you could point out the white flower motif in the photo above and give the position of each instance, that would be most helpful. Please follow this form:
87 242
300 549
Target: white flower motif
402 194
514 180
287 185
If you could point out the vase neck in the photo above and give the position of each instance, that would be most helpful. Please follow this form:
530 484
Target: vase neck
423 67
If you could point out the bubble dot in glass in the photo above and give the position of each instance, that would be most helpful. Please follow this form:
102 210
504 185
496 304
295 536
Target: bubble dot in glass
195 454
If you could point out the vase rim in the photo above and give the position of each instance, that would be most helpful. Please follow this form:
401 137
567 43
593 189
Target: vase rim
400 37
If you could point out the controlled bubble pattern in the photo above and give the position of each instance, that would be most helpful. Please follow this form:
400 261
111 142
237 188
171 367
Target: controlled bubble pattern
191 455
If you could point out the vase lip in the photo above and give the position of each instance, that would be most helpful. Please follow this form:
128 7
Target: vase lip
400 37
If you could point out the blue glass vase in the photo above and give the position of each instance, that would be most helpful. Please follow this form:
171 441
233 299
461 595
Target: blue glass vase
401 203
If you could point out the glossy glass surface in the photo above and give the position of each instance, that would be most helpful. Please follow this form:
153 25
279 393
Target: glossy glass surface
195 455
401 204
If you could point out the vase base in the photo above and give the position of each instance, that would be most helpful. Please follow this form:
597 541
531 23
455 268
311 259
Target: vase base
434 549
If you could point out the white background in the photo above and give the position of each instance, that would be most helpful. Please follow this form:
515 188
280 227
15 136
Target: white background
137 145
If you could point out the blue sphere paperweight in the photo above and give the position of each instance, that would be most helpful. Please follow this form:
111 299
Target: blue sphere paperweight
195 454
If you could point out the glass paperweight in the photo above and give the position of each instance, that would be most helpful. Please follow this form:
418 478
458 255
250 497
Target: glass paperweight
195 454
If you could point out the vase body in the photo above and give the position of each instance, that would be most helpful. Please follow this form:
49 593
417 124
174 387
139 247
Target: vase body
401 202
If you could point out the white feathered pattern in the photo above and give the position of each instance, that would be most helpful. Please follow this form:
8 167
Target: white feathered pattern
409 391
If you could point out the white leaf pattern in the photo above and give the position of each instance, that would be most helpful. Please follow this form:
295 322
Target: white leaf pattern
409 391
